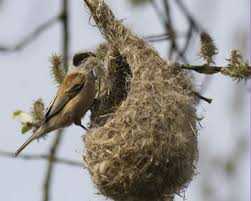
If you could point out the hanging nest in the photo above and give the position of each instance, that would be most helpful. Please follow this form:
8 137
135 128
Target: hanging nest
146 148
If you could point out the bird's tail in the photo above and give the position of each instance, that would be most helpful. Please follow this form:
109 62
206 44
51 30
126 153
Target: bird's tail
38 133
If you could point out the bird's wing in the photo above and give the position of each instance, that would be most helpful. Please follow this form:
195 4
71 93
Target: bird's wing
67 90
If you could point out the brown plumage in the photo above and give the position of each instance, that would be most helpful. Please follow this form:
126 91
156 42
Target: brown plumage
73 99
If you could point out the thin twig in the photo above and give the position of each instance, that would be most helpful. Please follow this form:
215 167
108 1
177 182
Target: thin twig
197 27
166 20
65 31
50 167
170 28
169 25
204 69
55 145
158 11
209 70
37 157
157 38
198 95
188 40
162 37
193 26
32 36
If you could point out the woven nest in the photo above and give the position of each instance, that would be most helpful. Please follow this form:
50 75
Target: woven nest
145 149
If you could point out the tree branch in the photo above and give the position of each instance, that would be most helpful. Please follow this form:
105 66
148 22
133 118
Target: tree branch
50 167
168 24
189 36
32 36
170 29
56 143
65 32
203 69
209 70
197 27
193 26
167 21
158 11
157 38
162 37
42 157
199 96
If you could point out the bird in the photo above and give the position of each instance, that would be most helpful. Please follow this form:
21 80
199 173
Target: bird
73 99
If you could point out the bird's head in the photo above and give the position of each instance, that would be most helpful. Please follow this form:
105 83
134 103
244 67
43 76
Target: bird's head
89 62
81 58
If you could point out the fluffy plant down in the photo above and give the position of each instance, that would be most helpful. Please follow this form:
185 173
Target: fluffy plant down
147 149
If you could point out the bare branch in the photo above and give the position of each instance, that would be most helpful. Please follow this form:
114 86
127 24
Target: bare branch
170 28
198 95
32 36
197 27
203 69
162 37
188 36
157 38
158 11
168 24
209 70
193 26
38 157
56 143
65 32
50 167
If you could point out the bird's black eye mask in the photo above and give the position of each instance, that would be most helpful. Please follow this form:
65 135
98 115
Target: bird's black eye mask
81 57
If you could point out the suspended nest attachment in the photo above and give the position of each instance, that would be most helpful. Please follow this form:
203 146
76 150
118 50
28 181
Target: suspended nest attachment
146 148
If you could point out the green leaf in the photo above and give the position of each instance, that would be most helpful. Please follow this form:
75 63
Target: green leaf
16 113
25 128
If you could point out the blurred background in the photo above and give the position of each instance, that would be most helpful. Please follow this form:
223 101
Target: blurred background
224 165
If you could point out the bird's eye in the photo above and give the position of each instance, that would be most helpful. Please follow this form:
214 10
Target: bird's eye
81 57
